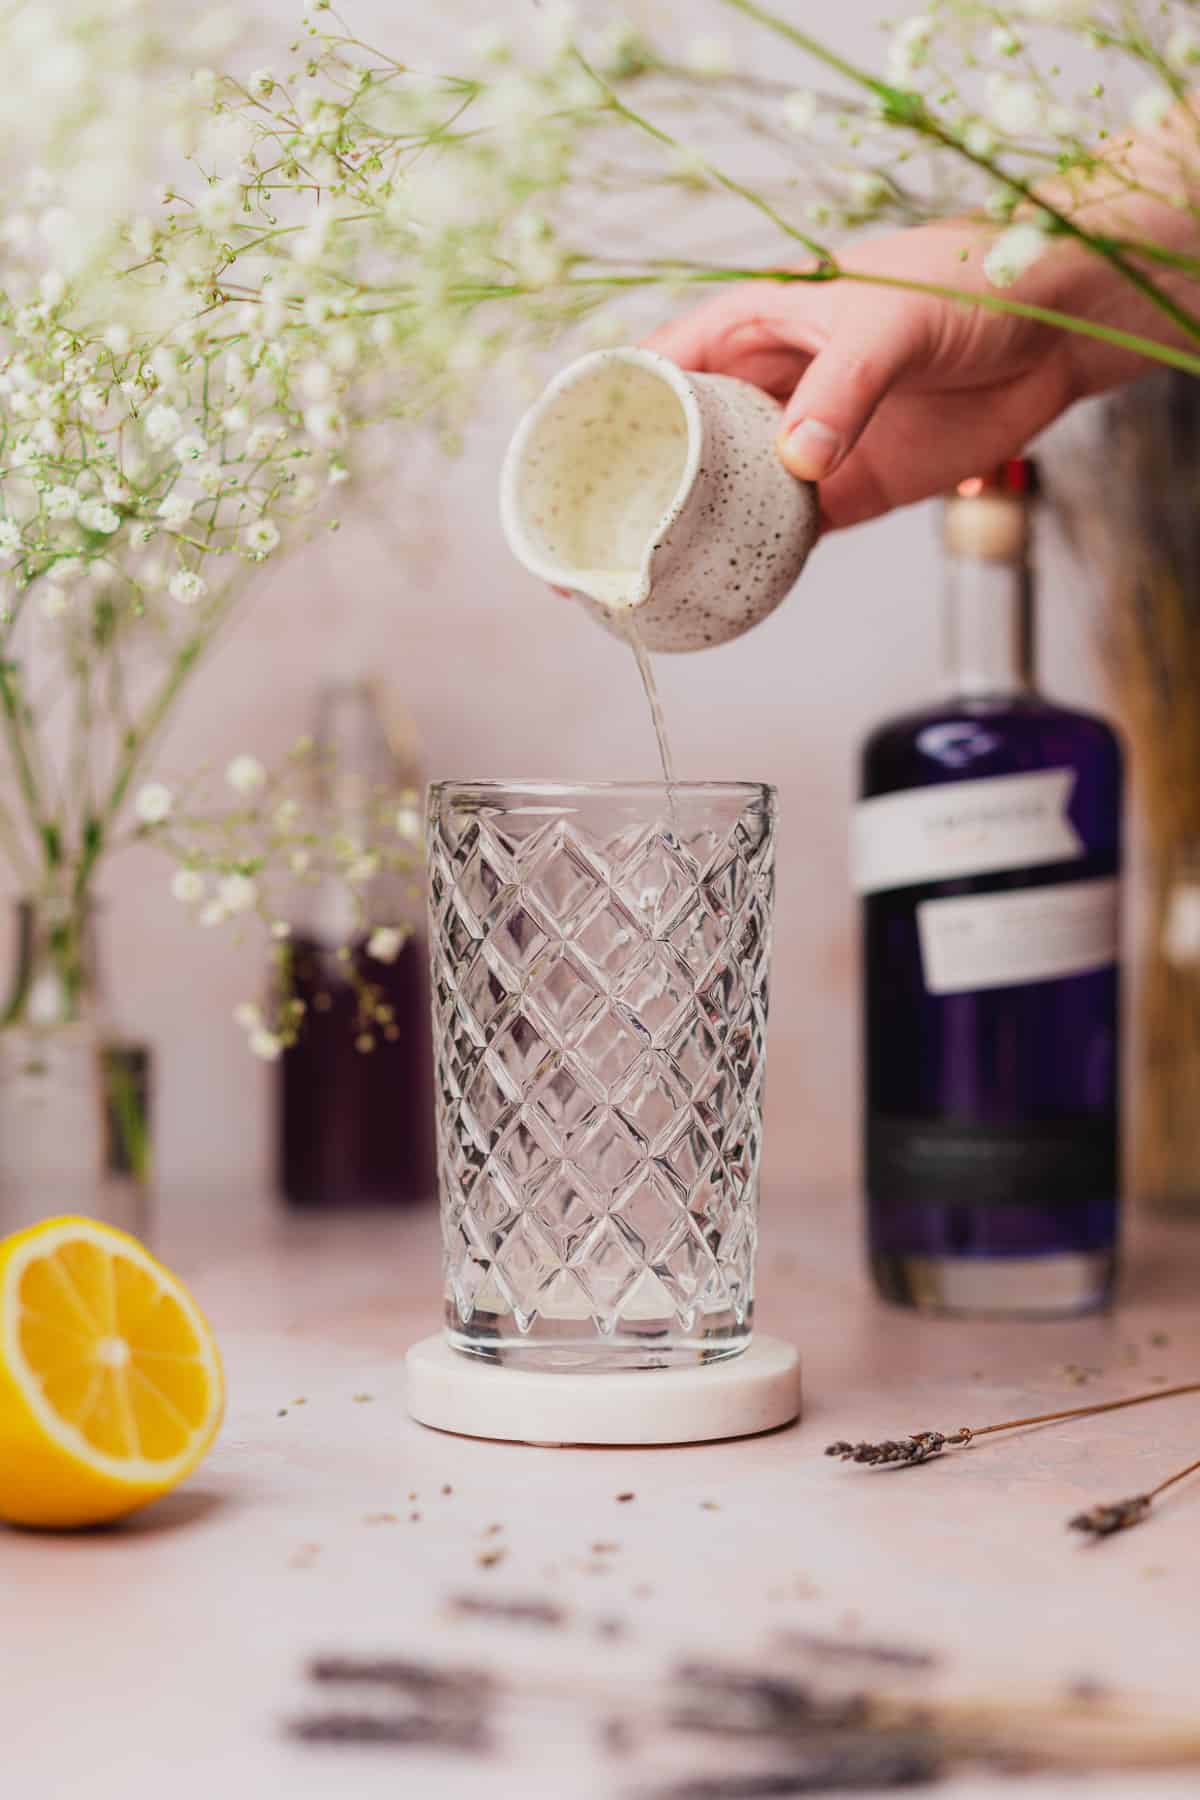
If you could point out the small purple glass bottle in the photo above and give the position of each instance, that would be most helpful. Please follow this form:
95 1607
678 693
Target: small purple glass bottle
987 847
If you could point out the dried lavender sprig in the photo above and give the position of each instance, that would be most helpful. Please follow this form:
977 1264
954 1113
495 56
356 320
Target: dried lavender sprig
463 1735
511 1612
835 1649
917 1448
920 1446
857 1765
1119 1515
731 1702
405 1674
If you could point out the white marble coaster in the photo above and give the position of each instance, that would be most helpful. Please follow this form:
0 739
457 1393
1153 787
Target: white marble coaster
756 1391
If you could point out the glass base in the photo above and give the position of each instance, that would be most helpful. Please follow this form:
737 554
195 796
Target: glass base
562 1345
1057 1286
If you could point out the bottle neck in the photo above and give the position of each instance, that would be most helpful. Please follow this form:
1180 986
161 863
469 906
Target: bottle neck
988 615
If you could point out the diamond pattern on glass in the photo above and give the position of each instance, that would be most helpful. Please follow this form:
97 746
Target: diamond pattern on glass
600 1004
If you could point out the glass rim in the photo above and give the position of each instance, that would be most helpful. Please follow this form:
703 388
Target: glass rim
764 791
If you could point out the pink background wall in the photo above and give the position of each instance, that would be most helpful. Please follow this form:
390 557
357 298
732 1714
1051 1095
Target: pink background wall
502 679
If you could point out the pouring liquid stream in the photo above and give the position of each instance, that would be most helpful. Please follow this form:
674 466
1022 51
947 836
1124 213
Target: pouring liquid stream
646 671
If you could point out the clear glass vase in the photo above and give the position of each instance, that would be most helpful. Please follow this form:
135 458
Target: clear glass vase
74 1103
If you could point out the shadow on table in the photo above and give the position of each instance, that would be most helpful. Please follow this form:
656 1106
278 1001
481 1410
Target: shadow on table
172 1513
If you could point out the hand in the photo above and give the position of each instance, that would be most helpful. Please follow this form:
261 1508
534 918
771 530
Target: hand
894 396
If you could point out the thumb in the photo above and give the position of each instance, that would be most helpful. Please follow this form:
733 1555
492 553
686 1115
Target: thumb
834 401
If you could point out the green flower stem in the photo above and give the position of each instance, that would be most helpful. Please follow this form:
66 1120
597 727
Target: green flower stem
728 182
11 711
1021 309
129 762
841 65
184 666
1158 253
1044 315
128 1116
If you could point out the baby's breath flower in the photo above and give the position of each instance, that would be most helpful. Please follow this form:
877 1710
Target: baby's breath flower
1183 49
316 381
164 360
187 886
868 191
60 502
163 426
261 83
385 943
189 448
324 423
176 510
1064 122
1014 105
261 537
10 539
980 139
1005 42
1057 12
409 823
1013 252
1001 203
245 775
263 439
94 515
280 930
153 803
800 110
66 571
266 1044
909 47
308 245
117 339
363 869
709 57
343 350
247 1015
187 587
237 893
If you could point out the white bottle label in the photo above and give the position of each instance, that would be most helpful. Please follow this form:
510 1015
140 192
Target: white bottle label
964 828
975 941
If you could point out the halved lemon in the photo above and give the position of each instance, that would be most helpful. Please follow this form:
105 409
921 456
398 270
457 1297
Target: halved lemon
110 1383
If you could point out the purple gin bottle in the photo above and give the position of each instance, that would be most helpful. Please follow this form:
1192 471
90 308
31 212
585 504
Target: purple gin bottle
987 852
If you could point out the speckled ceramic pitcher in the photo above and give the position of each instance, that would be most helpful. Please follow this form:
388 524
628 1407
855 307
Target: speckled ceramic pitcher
655 494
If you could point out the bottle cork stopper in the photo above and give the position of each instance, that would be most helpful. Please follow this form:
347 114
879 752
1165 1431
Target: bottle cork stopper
992 527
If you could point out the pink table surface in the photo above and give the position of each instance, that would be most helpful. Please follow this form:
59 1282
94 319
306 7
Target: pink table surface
162 1656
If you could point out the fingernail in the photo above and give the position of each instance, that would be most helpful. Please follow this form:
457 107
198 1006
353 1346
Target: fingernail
810 449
